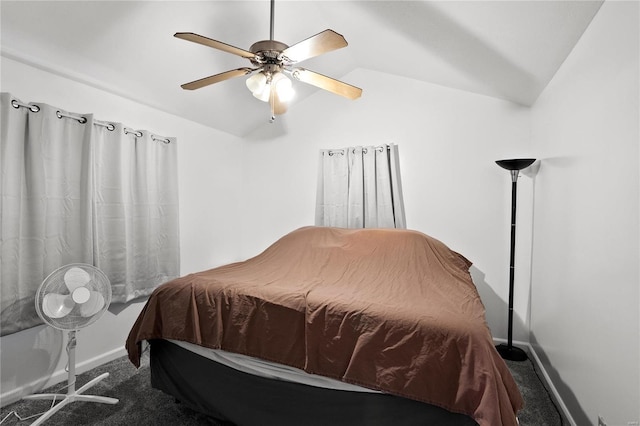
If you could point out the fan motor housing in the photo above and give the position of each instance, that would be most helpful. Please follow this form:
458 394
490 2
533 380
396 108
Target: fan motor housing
268 51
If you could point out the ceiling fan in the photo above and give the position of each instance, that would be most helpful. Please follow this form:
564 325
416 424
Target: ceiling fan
272 61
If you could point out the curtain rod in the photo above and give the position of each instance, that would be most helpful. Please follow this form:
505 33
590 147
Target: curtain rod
364 150
82 120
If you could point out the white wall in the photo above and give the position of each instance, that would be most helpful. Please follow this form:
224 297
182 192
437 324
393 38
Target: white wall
448 141
585 300
209 170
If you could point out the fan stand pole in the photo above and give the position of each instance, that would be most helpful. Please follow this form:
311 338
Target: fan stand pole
72 395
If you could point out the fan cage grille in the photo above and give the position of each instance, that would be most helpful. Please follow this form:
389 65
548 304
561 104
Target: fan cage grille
54 283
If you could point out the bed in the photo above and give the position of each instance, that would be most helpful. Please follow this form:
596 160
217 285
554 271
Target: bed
391 313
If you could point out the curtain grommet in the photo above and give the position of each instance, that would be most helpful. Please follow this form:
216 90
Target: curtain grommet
31 107
79 119
165 141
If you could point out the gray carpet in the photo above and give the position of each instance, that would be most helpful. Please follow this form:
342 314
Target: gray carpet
140 404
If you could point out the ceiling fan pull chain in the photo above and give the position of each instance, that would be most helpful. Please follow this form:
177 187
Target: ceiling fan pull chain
272 102
272 97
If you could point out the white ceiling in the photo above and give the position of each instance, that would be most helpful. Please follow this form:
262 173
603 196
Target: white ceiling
505 49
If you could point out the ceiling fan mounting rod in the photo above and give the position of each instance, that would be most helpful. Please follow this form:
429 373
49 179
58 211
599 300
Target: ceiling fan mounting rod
272 19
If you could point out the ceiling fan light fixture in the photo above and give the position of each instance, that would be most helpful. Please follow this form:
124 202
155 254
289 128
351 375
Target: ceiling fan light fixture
263 95
261 85
283 87
256 82
263 92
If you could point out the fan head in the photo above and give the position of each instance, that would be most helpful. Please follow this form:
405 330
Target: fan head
73 296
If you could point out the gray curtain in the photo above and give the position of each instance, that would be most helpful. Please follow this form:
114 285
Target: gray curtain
74 191
136 206
360 187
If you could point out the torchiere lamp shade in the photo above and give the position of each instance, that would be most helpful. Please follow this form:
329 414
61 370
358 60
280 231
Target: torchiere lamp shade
514 165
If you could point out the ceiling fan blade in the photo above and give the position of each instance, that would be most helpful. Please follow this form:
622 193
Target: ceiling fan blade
215 44
323 42
197 84
327 83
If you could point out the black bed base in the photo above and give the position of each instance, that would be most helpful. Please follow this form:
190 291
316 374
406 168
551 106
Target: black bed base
243 399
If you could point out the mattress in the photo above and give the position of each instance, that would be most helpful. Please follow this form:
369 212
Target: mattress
269 370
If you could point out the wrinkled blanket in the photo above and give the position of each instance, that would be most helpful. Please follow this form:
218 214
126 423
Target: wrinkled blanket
392 310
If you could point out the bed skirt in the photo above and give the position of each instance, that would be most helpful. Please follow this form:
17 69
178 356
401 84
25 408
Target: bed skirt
243 399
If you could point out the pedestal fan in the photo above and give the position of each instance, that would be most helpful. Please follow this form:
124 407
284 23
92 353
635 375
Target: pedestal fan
71 298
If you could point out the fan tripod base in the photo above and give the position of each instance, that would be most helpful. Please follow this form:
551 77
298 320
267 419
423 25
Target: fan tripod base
72 396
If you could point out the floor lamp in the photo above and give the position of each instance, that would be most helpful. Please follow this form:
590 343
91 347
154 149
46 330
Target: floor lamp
509 351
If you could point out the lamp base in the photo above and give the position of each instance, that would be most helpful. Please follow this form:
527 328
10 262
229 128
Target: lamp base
511 353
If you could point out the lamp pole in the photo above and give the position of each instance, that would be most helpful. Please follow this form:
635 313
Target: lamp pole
514 166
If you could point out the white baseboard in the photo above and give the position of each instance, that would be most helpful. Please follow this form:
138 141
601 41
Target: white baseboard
547 379
59 376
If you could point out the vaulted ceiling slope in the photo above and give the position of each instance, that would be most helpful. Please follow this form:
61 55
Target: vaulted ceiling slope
505 49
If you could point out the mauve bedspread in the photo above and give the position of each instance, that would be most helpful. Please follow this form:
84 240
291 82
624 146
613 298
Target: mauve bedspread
393 310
